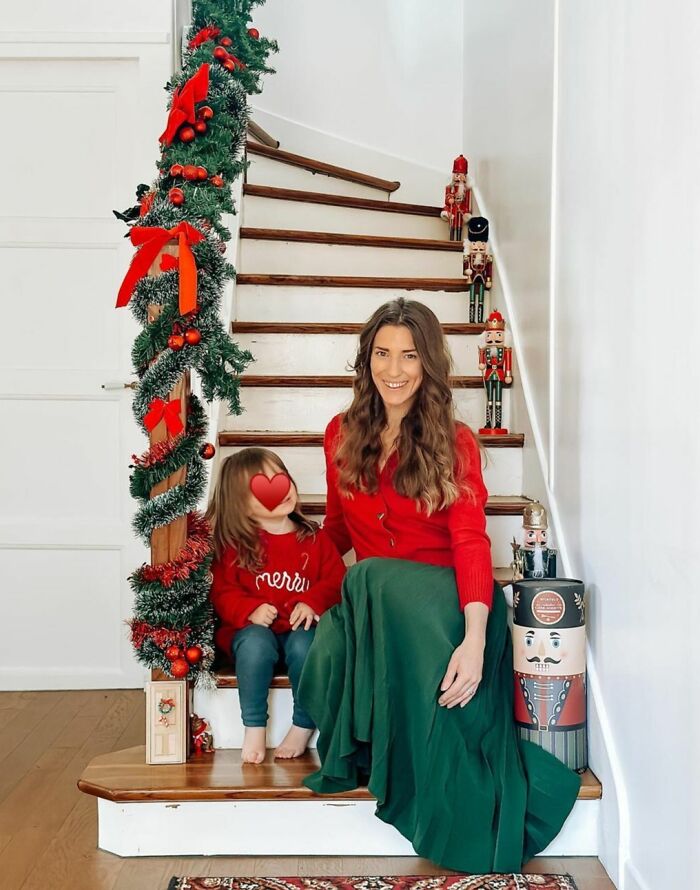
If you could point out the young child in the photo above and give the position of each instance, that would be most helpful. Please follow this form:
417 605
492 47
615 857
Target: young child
274 573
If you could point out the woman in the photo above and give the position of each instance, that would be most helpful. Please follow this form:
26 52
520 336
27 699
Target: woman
410 678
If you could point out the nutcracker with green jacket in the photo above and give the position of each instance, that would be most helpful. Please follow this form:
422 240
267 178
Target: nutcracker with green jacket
477 265
533 558
495 364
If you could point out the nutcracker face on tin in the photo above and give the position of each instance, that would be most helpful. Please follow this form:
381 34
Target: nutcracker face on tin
546 651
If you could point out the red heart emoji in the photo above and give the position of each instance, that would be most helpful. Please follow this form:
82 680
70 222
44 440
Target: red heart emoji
270 492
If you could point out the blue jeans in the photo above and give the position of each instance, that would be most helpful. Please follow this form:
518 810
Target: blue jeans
256 650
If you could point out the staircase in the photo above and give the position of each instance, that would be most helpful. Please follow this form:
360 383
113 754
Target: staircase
320 248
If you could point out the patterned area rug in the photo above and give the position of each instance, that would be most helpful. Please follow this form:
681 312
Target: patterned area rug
396 882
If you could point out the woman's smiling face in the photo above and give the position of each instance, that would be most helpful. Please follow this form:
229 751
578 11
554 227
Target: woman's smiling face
395 366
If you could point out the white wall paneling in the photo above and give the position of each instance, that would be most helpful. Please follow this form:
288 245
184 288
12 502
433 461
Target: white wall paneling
87 103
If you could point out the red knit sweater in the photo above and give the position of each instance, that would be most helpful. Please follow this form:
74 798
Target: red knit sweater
308 571
389 524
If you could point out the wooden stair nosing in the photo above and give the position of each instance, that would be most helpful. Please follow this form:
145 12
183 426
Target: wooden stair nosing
320 327
314 166
302 236
125 777
503 507
254 190
268 439
350 281
339 381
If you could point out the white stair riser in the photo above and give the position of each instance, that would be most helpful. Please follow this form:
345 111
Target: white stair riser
502 474
330 353
354 304
299 258
297 408
221 707
267 171
269 213
285 828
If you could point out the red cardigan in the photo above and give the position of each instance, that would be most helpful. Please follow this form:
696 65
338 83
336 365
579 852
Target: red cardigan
389 524
308 571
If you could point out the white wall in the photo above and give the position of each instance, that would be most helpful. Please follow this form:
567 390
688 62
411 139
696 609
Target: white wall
623 468
374 72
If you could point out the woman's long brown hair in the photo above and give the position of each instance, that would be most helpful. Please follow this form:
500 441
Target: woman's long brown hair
430 468
228 514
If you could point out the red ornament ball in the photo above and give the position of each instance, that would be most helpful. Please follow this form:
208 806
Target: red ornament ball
173 652
206 112
192 336
176 170
207 451
254 33
229 65
193 654
179 668
177 197
189 172
220 54
176 342
200 127
202 174
187 134
226 41
217 181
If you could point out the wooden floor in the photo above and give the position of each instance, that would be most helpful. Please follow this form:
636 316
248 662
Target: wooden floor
48 829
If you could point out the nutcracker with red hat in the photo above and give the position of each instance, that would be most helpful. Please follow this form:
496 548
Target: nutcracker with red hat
477 265
495 364
458 199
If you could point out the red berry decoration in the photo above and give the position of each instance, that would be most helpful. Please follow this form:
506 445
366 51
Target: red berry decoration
202 174
200 127
217 181
190 172
207 451
254 33
220 54
187 134
226 41
176 342
173 652
192 336
193 654
179 668
177 197
229 65
206 112
176 170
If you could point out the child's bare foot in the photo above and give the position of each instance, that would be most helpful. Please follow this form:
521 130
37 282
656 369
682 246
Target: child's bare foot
253 745
294 743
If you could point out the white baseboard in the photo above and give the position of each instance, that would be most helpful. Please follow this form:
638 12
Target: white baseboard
632 880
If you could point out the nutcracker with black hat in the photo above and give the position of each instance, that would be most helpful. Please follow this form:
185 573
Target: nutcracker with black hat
495 364
477 265
458 199
533 558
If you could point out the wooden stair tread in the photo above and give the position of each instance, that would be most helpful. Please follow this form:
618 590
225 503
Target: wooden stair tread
496 505
268 438
268 191
124 776
320 327
339 381
314 166
348 240
428 284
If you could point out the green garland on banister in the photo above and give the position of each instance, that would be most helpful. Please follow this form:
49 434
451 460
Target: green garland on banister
202 154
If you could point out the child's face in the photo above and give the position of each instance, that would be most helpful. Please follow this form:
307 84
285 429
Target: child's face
284 508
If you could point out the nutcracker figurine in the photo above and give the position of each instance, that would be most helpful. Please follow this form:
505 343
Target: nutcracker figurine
534 559
458 199
477 265
495 363
549 661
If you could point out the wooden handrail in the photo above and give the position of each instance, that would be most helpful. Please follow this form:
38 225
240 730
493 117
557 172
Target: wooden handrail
262 135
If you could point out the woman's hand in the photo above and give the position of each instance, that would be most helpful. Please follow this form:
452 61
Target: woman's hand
302 614
463 673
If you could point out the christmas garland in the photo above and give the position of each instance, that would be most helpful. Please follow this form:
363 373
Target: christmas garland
179 311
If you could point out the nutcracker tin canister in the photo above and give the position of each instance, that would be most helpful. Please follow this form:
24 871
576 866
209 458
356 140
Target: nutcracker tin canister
549 661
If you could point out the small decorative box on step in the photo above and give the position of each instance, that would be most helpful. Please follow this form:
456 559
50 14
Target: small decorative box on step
549 660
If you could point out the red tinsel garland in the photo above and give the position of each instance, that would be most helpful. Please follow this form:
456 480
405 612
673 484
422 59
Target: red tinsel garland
161 636
156 453
196 549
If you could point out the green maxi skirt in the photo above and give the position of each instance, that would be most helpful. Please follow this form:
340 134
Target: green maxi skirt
458 783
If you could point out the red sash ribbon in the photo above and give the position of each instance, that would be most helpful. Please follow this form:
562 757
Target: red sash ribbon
161 410
184 98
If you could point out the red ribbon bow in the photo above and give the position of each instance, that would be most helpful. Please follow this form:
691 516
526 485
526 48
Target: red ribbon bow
184 98
208 33
169 411
151 240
